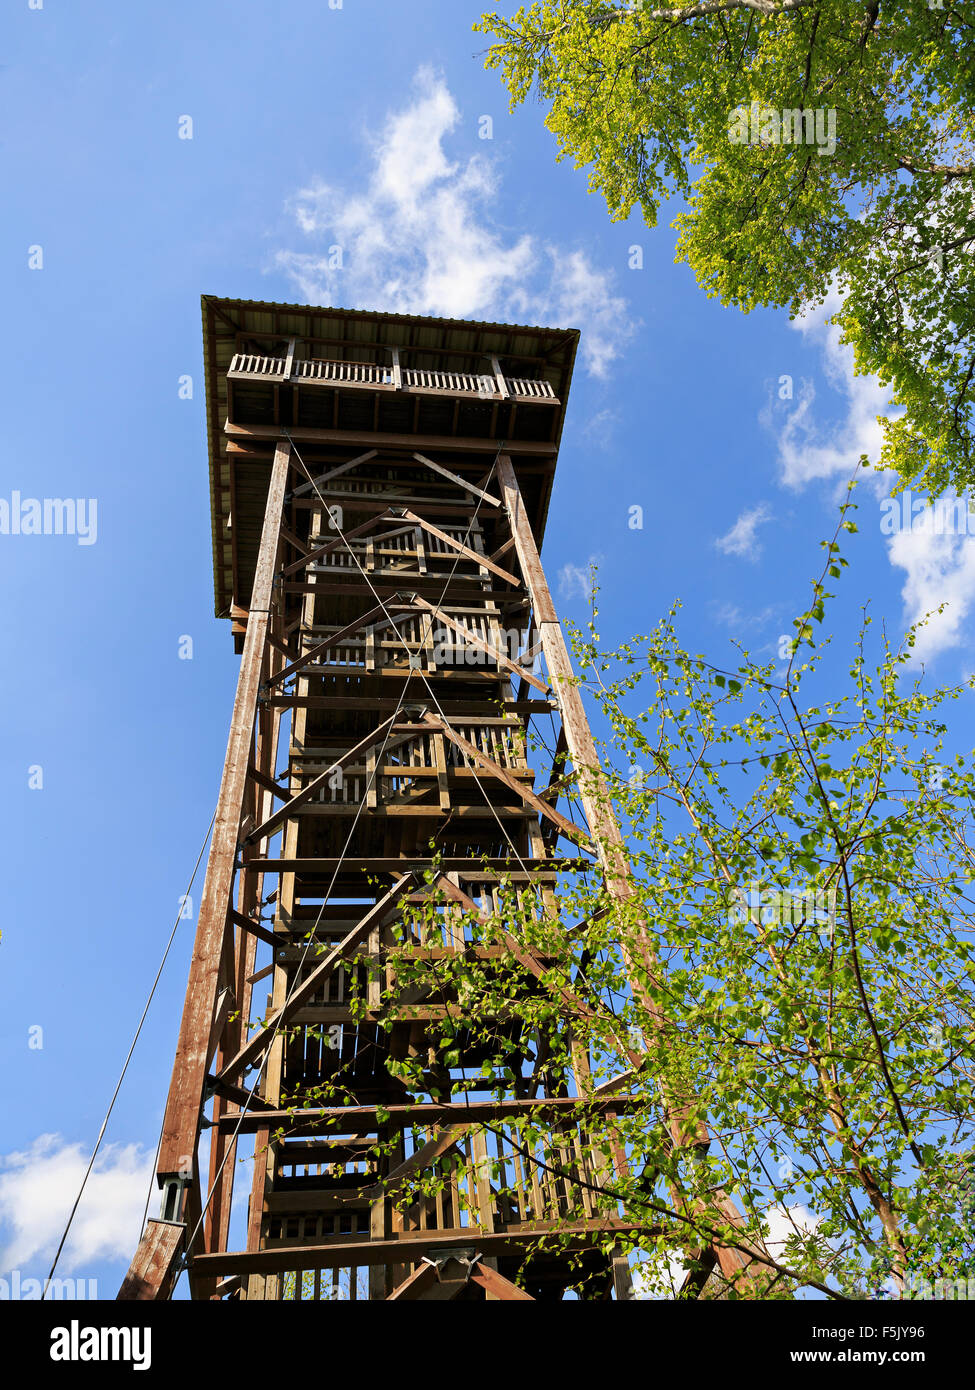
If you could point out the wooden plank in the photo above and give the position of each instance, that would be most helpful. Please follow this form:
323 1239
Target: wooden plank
323 478
249 925
238 1094
293 540
494 1283
413 1245
325 645
441 1144
363 1119
283 812
473 640
638 950
329 546
463 549
518 870
570 830
417 1283
153 1270
452 708
267 783
385 587
459 444
525 547
299 994
181 1124
443 780
455 478
500 382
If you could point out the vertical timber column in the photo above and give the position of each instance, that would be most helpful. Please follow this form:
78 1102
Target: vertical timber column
250 887
603 826
196 1043
578 736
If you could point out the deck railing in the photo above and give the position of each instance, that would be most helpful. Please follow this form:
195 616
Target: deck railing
249 366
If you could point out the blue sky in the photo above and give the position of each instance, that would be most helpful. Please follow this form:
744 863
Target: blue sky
360 127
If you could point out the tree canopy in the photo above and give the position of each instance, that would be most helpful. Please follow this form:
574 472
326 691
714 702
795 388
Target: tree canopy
816 148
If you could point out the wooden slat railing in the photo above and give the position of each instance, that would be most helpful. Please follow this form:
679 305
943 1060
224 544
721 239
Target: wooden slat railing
374 375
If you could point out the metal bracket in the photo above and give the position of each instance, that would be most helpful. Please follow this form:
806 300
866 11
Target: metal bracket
467 1257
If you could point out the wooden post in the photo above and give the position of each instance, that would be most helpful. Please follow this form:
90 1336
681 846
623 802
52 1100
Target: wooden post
593 791
153 1272
641 963
181 1126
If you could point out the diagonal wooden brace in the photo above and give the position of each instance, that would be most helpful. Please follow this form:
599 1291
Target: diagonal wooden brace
314 981
319 647
314 483
441 1144
529 797
463 549
329 546
288 809
476 641
461 482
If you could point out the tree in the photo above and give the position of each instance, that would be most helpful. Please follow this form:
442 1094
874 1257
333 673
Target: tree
816 146
805 861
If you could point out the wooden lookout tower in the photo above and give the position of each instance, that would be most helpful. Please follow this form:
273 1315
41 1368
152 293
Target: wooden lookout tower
379 487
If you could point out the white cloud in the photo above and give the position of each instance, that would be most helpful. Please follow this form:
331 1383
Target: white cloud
581 296
731 616
781 1223
576 581
741 539
806 451
38 1186
599 429
420 238
939 565
940 570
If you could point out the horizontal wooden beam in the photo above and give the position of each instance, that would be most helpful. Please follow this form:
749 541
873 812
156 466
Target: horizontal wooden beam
411 1247
363 1119
386 587
455 708
472 869
377 439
